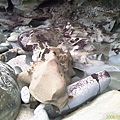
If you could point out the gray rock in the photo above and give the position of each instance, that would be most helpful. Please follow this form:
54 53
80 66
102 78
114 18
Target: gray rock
3 49
9 93
2 37
6 56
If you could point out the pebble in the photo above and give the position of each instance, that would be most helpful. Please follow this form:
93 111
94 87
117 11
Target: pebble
25 94
40 113
8 55
6 44
3 49
13 37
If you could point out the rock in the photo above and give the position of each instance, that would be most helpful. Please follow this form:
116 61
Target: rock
78 3
39 38
50 86
22 61
25 94
50 75
33 102
13 37
9 93
2 37
17 70
82 91
3 49
8 55
25 113
23 79
6 44
110 107
21 29
40 112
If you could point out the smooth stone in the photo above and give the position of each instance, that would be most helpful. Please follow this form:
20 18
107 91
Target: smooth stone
25 113
17 69
101 108
6 44
8 55
40 113
13 37
3 49
10 101
22 61
23 79
25 94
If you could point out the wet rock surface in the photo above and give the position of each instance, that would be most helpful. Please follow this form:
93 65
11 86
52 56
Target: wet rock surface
61 54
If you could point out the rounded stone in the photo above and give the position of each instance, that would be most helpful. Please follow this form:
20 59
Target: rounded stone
9 93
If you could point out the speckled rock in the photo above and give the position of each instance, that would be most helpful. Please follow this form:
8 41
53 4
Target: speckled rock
9 93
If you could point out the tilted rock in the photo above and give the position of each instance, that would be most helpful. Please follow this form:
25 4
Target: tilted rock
48 84
50 76
9 93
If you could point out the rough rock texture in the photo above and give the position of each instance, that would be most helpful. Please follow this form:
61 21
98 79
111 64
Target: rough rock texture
9 93
39 38
50 76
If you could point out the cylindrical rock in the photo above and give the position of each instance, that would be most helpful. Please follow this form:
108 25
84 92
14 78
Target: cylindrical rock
83 90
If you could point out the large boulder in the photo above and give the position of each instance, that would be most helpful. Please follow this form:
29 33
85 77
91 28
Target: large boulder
9 93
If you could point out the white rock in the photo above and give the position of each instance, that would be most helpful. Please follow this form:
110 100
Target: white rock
40 113
13 37
25 95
